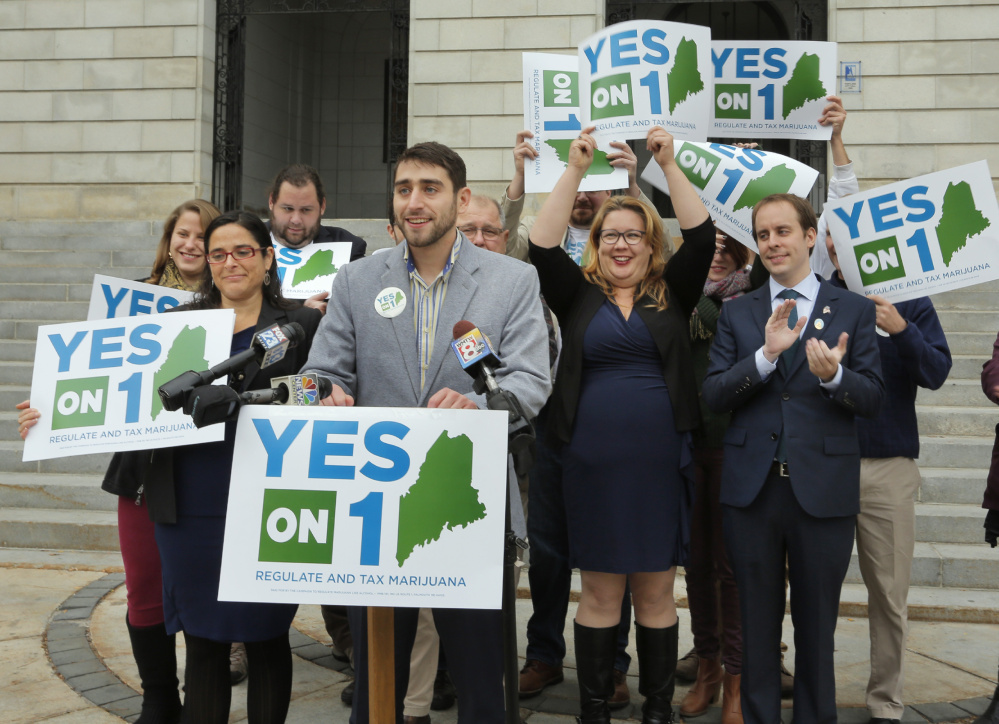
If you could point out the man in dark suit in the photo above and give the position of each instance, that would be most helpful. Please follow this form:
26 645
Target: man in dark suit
794 361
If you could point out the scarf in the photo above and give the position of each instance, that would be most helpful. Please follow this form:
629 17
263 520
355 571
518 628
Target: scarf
704 320
172 280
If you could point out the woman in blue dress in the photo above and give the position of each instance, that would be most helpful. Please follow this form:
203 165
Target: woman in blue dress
623 407
188 490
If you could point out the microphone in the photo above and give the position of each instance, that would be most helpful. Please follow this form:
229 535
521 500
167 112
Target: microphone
211 404
268 346
475 355
299 390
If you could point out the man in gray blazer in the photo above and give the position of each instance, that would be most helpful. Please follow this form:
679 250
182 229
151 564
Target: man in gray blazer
385 342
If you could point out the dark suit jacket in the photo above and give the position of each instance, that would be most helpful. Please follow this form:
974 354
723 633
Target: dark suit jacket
575 302
153 469
823 452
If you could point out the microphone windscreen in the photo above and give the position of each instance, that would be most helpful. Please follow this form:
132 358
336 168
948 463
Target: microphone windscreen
325 387
295 333
461 329
211 404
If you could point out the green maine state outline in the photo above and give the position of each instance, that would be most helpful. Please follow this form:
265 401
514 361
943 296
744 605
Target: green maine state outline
960 220
804 84
684 79
187 352
600 166
777 180
442 496
319 264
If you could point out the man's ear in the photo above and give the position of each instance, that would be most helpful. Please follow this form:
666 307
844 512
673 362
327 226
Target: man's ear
322 208
464 197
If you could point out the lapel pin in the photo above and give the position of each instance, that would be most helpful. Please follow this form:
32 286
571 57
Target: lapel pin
819 324
826 310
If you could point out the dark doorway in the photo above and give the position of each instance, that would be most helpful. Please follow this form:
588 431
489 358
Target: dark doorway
740 20
322 82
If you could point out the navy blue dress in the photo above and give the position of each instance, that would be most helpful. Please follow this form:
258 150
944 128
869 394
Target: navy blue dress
626 471
191 549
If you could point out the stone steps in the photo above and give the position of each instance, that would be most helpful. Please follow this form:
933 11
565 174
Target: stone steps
89 530
939 420
10 462
956 392
947 564
949 523
55 491
952 485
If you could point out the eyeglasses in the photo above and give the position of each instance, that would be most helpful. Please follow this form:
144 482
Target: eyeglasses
490 233
239 254
632 237
722 251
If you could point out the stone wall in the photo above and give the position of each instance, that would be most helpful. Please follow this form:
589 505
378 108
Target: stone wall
930 97
105 107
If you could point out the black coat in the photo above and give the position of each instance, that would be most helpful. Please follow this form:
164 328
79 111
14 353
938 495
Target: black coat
150 472
575 302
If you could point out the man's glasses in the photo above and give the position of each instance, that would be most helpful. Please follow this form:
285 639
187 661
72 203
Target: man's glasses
489 233
239 254
632 237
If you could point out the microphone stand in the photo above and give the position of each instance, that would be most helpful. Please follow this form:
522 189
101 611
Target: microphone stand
521 446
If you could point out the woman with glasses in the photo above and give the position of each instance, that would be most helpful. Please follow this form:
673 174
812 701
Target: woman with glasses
623 407
179 264
189 490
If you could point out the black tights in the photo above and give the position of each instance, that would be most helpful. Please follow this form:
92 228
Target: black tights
208 692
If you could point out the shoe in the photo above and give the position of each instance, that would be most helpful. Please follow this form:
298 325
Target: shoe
732 699
657 671
536 676
237 663
705 690
686 668
155 654
343 656
416 719
444 693
347 695
991 715
883 720
622 697
596 649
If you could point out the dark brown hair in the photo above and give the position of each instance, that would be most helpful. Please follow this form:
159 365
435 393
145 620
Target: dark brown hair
298 175
208 213
432 153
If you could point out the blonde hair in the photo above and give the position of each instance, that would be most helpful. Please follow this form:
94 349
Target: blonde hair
652 285
204 209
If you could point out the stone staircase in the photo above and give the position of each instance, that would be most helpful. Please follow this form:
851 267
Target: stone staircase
46 270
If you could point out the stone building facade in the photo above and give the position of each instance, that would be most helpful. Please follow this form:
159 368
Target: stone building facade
107 107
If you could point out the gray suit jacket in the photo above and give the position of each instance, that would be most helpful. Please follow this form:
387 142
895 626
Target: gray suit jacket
374 358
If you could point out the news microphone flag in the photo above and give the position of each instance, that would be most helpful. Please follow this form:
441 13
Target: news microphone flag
472 347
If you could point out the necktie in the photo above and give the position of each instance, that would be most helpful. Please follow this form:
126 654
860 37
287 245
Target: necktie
787 356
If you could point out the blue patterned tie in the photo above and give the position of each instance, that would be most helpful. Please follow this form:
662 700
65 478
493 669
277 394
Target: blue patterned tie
787 356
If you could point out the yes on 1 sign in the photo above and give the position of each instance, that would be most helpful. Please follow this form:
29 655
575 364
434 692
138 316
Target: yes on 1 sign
111 298
310 270
551 113
366 506
646 73
923 236
95 383
730 181
772 89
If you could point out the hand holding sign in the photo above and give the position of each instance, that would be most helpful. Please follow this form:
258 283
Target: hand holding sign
27 418
581 150
660 143
833 115
887 316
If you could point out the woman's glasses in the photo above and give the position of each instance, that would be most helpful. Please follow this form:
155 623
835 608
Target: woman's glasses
610 236
239 254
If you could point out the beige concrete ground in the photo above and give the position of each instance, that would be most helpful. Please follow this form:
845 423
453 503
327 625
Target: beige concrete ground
946 661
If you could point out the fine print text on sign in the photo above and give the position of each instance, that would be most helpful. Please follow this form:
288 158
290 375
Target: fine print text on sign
309 271
730 181
95 383
772 89
646 73
366 507
552 113
923 236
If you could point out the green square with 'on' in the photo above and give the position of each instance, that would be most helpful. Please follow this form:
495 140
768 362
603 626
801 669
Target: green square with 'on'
611 97
561 88
879 261
296 526
80 402
733 100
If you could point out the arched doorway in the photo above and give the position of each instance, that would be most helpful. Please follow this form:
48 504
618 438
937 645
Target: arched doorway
323 82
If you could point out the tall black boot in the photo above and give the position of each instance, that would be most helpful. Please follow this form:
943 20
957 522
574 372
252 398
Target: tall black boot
595 652
155 654
657 671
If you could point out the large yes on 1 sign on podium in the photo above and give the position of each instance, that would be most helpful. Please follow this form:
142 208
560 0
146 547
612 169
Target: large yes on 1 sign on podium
367 507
